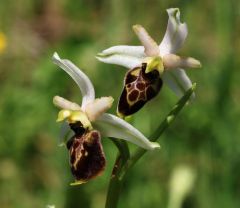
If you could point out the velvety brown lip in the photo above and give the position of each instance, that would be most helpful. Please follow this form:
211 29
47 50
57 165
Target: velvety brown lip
139 88
87 159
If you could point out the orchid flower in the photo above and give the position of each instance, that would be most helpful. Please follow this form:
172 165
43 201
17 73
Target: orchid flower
88 122
151 65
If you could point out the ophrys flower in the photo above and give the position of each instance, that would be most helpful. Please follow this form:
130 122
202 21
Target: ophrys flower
151 64
89 121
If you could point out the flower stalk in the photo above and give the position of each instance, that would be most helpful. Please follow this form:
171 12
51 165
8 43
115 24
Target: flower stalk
115 185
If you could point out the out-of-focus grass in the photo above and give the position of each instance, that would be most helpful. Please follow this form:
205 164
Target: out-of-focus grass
34 170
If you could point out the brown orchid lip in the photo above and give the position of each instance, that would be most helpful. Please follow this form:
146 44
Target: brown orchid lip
87 159
139 88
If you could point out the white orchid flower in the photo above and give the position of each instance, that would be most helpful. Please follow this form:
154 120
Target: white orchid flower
143 60
88 121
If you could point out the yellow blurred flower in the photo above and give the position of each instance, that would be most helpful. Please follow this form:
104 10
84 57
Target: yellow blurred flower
3 42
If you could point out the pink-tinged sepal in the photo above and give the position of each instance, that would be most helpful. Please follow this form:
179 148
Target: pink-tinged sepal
139 88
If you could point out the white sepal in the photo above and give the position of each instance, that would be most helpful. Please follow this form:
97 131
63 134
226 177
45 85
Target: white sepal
113 126
178 81
98 107
175 35
129 62
79 77
127 56
135 51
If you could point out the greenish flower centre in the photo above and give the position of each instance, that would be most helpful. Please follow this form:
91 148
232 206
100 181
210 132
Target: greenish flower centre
154 63
74 116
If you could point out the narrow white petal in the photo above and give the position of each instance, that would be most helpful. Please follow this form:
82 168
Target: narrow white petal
79 77
65 104
113 126
150 46
129 62
98 107
172 61
178 81
175 35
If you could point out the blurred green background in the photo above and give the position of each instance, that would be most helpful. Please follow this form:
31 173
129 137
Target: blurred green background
34 171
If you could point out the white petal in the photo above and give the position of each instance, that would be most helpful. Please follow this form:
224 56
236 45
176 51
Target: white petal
65 104
98 107
150 46
79 77
65 133
127 56
178 81
113 126
172 61
175 35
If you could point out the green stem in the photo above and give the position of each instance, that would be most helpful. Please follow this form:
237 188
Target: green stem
122 148
123 163
115 184
159 131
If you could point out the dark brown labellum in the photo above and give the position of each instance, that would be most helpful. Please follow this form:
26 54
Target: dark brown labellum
78 128
139 88
87 159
